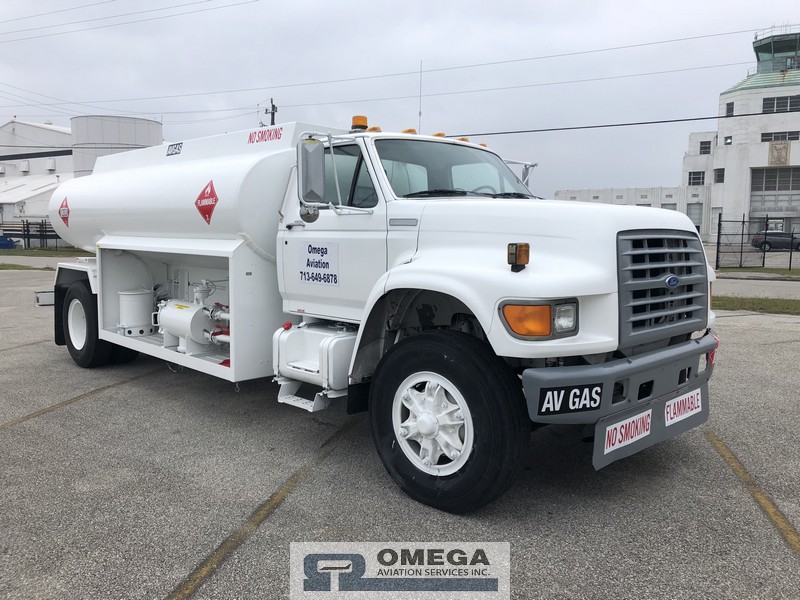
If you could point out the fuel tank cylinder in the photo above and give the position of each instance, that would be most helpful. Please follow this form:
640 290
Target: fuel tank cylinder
217 187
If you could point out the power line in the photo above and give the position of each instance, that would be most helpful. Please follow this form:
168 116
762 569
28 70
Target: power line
516 87
597 50
499 133
238 91
189 12
94 20
30 102
604 125
399 74
51 105
392 98
53 12
384 99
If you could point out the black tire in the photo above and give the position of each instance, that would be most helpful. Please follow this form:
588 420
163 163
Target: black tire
80 327
120 355
765 246
482 408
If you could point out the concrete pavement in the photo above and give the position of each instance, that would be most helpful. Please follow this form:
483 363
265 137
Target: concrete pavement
118 482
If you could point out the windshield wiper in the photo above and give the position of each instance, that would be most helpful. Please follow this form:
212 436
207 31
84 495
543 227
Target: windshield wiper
511 195
435 192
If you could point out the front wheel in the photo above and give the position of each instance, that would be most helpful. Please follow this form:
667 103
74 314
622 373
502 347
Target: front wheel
448 420
766 246
80 327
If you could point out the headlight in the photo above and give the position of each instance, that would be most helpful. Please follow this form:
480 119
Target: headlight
540 320
566 318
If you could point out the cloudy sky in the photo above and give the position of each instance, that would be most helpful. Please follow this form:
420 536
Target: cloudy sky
204 67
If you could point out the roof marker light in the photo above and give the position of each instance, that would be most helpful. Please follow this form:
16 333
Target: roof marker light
359 123
410 130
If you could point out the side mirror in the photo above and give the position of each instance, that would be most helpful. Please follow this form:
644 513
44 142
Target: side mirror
311 171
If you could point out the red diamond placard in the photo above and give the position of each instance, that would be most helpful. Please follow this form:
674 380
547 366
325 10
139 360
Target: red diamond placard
206 201
63 212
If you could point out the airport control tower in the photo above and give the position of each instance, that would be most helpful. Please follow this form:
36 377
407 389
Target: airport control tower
755 159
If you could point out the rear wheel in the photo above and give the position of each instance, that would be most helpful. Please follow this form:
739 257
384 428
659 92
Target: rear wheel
448 420
766 246
80 327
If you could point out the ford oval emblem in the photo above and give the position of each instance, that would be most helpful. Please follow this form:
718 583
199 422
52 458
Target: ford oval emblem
673 281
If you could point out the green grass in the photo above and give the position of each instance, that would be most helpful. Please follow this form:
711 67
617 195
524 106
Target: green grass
8 267
45 252
777 306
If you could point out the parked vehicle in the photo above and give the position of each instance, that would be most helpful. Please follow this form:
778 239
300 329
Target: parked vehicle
415 276
776 240
7 243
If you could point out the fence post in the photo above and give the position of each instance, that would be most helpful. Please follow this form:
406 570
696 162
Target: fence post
719 238
741 244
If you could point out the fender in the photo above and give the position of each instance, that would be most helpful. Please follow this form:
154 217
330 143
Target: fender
425 274
481 282
66 275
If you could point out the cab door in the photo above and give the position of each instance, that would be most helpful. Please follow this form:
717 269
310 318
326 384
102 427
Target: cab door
330 265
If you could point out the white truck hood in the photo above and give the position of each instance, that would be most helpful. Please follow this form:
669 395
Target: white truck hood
573 244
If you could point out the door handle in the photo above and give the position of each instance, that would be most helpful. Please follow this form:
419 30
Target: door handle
295 224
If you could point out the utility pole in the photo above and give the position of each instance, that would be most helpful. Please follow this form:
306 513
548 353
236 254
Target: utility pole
271 112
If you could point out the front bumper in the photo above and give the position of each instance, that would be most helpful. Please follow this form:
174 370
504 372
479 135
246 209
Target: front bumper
611 392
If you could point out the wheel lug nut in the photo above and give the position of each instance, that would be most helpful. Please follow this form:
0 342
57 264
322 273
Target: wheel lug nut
459 415
403 431
426 461
455 454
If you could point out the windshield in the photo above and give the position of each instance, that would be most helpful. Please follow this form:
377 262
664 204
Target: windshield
417 168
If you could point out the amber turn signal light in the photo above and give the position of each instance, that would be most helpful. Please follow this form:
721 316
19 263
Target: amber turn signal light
529 320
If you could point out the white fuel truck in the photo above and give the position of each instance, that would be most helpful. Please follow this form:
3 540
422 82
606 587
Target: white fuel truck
412 276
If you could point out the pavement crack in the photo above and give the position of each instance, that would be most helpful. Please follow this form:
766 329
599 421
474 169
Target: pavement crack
203 571
52 407
35 343
765 503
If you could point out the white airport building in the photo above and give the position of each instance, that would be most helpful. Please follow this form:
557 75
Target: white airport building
751 164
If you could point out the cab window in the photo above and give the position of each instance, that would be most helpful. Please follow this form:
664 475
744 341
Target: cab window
355 184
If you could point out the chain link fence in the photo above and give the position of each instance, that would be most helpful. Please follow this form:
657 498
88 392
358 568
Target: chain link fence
752 244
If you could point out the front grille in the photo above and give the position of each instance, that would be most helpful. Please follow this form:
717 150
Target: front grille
649 309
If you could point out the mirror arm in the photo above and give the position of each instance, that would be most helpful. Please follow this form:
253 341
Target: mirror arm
335 173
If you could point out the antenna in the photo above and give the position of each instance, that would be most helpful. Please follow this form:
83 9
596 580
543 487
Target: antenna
419 122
